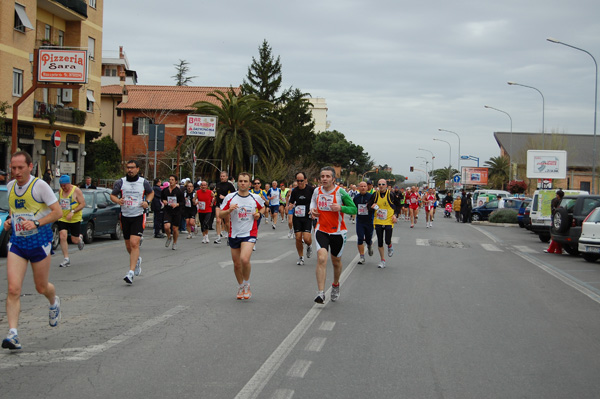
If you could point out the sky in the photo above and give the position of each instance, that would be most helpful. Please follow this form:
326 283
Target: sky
392 72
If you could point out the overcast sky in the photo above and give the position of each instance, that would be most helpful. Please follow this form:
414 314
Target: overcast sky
392 72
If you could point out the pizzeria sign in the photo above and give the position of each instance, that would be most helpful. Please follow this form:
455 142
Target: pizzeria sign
62 66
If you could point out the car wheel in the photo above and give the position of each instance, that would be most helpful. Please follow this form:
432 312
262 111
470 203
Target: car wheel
521 224
544 237
118 234
88 236
475 217
55 237
590 257
571 250
560 220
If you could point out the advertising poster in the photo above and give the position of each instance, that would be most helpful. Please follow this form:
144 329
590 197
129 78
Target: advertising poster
475 176
201 126
546 164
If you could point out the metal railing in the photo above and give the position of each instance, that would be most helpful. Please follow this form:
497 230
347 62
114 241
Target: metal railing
54 113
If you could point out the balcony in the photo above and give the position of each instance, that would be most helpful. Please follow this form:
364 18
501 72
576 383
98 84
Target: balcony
55 113
69 10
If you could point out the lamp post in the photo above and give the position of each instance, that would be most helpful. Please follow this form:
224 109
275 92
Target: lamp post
595 105
426 173
511 143
449 158
456 134
432 157
543 108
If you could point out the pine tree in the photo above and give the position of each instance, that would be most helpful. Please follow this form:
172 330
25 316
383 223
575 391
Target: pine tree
264 75
182 70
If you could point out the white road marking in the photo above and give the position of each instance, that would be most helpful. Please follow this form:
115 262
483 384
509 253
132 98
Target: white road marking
423 242
254 262
299 368
487 233
526 249
327 325
491 247
283 394
315 344
77 354
259 380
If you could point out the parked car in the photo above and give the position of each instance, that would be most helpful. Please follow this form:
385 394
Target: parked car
568 219
483 212
526 202
526 219
4 212
541 215
589 241
99 217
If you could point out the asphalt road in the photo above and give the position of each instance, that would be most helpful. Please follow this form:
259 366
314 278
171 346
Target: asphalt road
461 311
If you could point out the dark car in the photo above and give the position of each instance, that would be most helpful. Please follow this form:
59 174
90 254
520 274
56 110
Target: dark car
526 219
99 217
483 212
568 218
4 211
521 212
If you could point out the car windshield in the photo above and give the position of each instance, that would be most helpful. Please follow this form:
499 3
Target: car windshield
89 199
4 201
589 204
492 205
568 203
594 216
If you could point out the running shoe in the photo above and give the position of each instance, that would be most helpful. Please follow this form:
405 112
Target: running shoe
390 251
381 265
427 225
361 260
308 251
370 249
240 293
254 247
80 244
168 242
129 277
291 233
274 227
141 240
247 292
138 267
65 263
430 224
218 240
11 342
300 261
412 225
335 292
174 247
54 314
189 236
320 299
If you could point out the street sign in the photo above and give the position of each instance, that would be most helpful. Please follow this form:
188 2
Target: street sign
253 159
456 179
56 139
464 157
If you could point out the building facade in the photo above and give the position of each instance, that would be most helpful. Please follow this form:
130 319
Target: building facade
25 27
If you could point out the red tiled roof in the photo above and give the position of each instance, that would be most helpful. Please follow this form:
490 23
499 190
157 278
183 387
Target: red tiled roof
177 98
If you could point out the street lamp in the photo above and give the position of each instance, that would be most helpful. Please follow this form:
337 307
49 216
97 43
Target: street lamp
456 134
595 105
543 108
432 157
511 142
426 173
449 158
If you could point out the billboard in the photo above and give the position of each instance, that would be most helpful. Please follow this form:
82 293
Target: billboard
201 125
475 176
62 66
546 164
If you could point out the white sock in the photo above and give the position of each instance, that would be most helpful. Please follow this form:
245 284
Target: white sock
12 331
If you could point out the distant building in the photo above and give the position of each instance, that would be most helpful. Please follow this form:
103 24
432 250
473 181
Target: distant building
319 114
115 68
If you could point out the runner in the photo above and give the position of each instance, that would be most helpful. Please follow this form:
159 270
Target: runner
329 203
33 209
299 202
290 209
413 205
364 224
267 214
256 189
71 202
429 200
245 209
273 195
385 205
205 202
190 208
370 188
129 192
223 188
353 193
283 201
172 198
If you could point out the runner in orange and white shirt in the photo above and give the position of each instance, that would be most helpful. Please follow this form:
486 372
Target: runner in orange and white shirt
413 199
429 201
328 205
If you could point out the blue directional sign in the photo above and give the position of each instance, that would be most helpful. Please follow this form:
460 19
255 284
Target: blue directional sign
456 179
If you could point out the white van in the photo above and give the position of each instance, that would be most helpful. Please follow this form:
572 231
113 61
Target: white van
541 215
482 195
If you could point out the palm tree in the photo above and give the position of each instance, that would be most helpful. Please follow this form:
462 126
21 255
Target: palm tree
243 130
443 174
498 171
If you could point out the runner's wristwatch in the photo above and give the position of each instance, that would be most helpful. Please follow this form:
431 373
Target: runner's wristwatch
37 223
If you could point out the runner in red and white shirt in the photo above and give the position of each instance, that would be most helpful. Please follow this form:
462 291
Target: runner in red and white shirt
429 201
244 209
205 203
413 205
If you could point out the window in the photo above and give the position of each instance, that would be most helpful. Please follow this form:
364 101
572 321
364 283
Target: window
90 101
141 126
45 95
91 47
17 82
61 38
59 96
92 3
21 19
47 32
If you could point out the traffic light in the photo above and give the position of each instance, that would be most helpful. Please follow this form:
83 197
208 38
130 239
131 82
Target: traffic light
412 168
405 177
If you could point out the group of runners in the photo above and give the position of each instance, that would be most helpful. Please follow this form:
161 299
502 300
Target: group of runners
320 210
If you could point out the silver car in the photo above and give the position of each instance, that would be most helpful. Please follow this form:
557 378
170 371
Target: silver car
589 242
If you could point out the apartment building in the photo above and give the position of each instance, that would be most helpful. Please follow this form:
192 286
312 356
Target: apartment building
25 27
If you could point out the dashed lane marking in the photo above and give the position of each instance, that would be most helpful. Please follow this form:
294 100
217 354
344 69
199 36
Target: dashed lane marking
299 368
491 247
315 344
257 261
283 394
525 249
327 326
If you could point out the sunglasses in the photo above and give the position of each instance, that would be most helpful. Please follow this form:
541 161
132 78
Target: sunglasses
380 184
256 182
299 181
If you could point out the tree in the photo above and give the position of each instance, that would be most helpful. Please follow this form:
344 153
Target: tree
264 76
296 123
182 69
103 160
332 148
443 174
498 171
242 131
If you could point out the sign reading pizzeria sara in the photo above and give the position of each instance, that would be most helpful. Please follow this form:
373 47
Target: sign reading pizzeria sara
62 66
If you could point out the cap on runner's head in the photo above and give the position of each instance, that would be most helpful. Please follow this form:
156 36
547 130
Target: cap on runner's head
64 179
369 182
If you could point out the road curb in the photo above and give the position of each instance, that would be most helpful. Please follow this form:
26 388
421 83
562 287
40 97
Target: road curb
486 223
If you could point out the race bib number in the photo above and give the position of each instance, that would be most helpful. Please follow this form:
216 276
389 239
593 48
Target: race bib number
413 200
201 205
132 202
188 202
381 214
363 210
171 201
65 204
21 218
244 213
300 211
324 202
